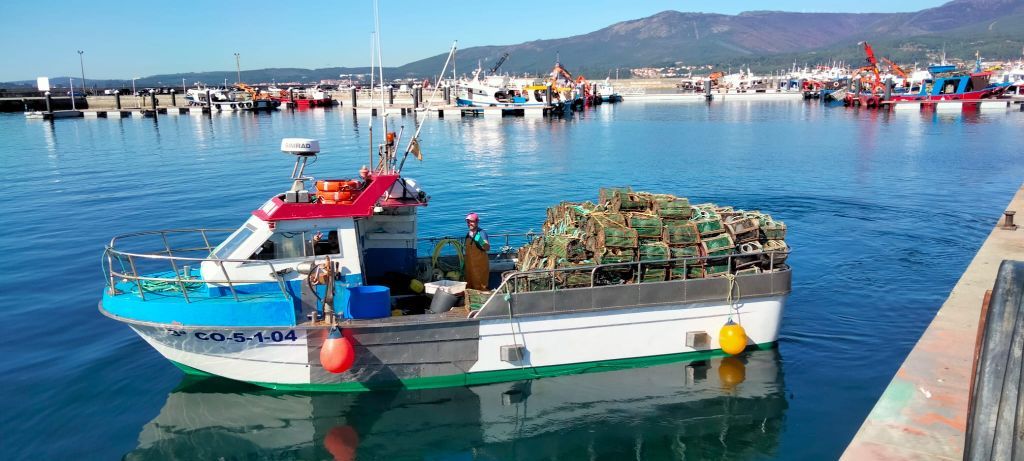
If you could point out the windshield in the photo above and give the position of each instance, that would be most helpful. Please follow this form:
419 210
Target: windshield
233 242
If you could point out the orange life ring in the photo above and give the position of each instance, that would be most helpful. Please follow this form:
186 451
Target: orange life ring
335 196
336 185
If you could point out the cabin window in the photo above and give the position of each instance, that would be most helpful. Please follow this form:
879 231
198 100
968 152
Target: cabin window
297 244
949 87
233 242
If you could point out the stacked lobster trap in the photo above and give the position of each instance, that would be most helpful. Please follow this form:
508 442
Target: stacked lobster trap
639 237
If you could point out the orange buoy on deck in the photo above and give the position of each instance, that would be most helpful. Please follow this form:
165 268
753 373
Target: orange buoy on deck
337 353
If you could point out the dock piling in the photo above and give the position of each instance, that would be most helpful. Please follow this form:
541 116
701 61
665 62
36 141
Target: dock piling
152 102
888 89
49 102
547 95
391 95
415 98
707 90
447 95
174 100
352 92
117 100
209 102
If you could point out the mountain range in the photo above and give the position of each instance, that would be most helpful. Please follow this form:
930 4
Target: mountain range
761 40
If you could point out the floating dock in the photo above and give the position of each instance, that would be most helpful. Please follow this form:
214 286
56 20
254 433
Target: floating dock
923 412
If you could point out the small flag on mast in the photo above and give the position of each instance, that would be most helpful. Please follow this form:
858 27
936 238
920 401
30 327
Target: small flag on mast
415 149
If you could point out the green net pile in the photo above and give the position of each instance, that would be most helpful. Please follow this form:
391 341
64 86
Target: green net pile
669 236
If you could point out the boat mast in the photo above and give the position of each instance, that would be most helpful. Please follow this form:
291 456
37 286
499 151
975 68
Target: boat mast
380 68
372 75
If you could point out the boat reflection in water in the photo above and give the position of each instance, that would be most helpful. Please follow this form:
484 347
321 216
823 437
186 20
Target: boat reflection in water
722 408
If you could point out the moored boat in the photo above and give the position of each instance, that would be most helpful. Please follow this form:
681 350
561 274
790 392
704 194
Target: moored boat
304 97
229 100
301 279
950 85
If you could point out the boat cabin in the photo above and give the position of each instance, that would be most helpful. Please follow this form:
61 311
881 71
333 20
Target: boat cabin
365 226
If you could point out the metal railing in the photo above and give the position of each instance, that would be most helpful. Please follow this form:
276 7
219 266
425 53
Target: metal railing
510 241
158 262
512 281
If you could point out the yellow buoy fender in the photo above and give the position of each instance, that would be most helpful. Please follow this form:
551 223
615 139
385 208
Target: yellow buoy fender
732 338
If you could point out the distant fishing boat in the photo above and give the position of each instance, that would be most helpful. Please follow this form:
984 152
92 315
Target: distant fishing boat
314 96
948 84
229 100
496 91
607 92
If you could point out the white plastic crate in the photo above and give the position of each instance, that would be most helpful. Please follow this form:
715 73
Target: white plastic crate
449 286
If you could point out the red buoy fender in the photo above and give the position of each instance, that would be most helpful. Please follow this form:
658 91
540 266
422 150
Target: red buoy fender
337 353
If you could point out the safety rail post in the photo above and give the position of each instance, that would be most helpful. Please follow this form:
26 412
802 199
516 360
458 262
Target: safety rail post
135 275
174 266
110 271
206 241
227 278
280 279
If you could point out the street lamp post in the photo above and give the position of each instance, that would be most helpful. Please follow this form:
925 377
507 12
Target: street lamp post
81 62
238 67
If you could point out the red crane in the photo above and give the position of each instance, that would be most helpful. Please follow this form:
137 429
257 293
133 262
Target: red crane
873 67
899 71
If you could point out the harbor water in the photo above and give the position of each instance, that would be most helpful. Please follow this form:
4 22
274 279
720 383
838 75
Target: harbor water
884 212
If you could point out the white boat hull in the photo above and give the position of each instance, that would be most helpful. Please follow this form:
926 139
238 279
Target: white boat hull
289 357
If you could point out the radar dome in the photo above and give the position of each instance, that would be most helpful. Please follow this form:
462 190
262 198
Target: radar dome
300 146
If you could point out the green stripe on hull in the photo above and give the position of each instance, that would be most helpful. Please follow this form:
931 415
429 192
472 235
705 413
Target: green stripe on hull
191 371
515 374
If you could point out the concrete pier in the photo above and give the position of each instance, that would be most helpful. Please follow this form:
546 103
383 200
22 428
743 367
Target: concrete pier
923 412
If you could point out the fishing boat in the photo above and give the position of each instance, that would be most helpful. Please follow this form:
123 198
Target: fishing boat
607 92
314 96
293 299
948 84
498 91
229 100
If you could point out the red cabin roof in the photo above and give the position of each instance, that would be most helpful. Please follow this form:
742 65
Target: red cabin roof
278 210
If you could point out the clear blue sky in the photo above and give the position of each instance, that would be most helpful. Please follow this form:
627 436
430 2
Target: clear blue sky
124 39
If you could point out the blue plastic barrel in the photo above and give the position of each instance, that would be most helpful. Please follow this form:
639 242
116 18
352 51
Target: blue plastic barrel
368 302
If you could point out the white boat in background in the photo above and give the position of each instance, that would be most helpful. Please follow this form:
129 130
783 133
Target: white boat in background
607 92
228 100
497 91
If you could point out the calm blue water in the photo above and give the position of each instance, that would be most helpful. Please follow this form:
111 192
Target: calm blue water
884 212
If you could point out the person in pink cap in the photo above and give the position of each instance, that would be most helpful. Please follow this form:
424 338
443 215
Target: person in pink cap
478 267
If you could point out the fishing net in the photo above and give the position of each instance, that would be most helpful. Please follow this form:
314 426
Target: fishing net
773 230
671 207
647 226
680 233
743 229
627 227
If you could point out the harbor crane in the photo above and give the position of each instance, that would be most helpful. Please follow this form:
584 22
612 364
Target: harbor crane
501 61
